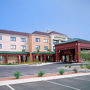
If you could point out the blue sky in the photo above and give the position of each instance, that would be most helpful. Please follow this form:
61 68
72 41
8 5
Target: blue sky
71 17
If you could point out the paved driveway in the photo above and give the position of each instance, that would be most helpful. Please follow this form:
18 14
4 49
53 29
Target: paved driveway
75 83
7 71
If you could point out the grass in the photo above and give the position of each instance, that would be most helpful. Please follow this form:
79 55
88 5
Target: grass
8 64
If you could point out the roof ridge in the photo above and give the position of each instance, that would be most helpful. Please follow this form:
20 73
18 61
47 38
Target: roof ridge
13 32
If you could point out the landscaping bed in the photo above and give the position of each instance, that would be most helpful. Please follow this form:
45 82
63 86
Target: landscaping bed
35 76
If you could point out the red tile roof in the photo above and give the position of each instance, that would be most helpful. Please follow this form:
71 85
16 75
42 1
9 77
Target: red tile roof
14 32
40 33
43 33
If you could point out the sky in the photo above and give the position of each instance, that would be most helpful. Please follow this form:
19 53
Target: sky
70 17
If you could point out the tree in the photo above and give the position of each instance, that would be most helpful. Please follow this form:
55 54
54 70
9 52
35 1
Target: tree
38 50
23 50
49 50
85 56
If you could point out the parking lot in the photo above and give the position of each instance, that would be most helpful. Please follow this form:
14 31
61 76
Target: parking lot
75 83
7 71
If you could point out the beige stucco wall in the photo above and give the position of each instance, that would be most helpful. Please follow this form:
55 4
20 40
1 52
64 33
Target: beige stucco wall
6 42
13 59
41 43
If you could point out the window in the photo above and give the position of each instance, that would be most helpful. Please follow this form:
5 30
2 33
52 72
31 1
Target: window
45 47
23 39
0 37
37 39
23 47
0 45
13 46
46 40
56 42
0 58
37 47
13 38
53 48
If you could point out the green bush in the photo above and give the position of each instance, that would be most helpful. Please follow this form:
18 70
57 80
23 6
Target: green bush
17 75
81 66
88 66
69 66
61 71
66 65
41 73
75 70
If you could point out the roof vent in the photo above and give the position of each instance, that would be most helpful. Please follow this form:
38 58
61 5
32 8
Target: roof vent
48 31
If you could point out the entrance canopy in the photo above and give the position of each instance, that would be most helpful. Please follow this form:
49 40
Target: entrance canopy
68 51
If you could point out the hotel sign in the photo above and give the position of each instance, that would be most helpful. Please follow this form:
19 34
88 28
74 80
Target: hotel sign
62 37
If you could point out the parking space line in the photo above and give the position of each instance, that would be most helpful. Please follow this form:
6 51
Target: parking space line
10 87
81 79
62 85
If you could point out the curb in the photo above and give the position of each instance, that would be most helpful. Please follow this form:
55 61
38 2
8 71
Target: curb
40 79
29 64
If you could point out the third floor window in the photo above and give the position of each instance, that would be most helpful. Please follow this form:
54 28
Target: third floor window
23 39
37 39
13 38
0 37
46 40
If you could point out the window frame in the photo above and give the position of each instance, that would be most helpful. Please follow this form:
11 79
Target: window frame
0 37
1 46
12 46
45 40
37 46
45 47
37 39
12 39
23 46
23 39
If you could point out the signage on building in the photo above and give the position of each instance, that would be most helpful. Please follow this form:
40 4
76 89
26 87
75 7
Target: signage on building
62 37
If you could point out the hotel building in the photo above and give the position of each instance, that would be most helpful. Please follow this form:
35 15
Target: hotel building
18 47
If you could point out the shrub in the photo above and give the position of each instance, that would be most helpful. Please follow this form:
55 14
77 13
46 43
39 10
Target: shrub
75 70
81 66
88 66
61 71
69 66
17 75
65 65
41 73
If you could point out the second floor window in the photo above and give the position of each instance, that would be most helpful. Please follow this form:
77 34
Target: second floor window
0 46
46 40
23 39
37 47
37 39
45 47
23 47
13 46
13 38
0 37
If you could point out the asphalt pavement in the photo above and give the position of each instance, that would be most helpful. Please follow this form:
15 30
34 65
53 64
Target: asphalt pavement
75 83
